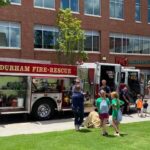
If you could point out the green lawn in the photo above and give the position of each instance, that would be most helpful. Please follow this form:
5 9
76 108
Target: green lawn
135 136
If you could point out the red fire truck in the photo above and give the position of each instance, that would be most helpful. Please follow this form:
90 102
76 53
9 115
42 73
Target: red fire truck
35 88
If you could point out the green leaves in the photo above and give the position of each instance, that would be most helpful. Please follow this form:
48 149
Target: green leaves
4 2
71 37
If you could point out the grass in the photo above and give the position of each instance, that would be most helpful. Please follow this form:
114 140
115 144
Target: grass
135 136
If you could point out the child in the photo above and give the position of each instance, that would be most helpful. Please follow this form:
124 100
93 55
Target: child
139 105
145 105
116 103
102 104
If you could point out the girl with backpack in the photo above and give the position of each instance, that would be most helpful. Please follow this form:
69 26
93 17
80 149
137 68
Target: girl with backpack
103 104
116 112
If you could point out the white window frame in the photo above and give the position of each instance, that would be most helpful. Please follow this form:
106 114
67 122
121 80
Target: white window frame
128 36
75 12
115 18
93 15
15 3
42 7
139 5
148 14
42 28
93 33
11 25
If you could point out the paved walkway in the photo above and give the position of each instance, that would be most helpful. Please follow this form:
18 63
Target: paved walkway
52 125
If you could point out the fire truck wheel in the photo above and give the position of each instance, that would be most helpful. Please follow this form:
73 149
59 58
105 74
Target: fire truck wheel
43 110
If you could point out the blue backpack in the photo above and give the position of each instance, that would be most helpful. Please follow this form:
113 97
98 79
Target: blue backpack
104 107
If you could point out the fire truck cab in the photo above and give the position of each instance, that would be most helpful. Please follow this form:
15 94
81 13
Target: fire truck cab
131 78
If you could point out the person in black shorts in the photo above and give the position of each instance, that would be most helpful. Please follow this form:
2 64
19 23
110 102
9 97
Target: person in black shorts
124 96
145 105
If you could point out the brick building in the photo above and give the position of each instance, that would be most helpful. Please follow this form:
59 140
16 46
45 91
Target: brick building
117 31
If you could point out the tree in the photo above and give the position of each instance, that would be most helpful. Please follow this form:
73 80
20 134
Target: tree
4 2
70 39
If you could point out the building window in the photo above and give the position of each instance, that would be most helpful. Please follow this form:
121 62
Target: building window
92 7
48 4
9 35
15 2
72 4
137 10
92 41
117 9
149 11
122 43
45 37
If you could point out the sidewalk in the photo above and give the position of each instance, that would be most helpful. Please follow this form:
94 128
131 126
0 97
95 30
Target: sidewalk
52 125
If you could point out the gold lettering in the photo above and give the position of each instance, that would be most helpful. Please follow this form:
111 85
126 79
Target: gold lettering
27 68
34 69
51 70
69 71
45 69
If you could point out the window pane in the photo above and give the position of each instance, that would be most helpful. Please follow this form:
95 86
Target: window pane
149 3
130 45
88 43
146 47
112 44
15 1
88 6
136 45
96 43
49 3
141 45
137 13
14 37
116 8
124 45
74 5
118 45
38 39
112 9
149 15
96 5
38 3
48 38
64 4
118 11
4 36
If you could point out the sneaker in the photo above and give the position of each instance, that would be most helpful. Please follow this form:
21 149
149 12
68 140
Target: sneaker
116 134
105 134
76 127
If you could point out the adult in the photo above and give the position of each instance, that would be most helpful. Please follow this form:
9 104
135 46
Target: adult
105 87
124 95
92 121
78 106
102 104
74 83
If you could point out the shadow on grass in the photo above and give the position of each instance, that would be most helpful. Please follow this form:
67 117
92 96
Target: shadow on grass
123 134
114 136
84 130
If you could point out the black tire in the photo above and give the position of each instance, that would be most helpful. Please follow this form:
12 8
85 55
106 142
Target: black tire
43 110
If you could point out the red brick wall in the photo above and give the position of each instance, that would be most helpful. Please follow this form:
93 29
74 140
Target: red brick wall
27 15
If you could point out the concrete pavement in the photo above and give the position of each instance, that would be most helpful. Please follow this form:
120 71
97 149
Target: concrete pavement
52 125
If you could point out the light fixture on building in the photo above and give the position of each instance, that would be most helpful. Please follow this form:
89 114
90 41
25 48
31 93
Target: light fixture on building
104 58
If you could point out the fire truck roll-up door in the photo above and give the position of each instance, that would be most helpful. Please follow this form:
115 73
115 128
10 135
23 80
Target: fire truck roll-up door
14 94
